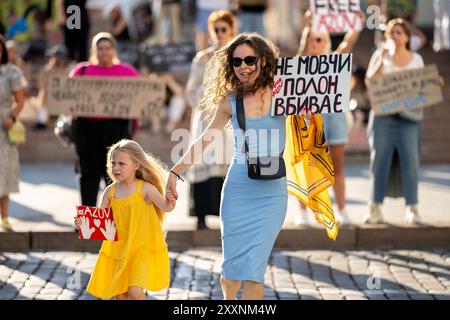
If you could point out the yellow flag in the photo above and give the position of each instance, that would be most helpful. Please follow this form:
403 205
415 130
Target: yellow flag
309 170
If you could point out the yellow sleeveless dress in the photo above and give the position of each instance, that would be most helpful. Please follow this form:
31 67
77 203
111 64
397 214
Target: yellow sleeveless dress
140 257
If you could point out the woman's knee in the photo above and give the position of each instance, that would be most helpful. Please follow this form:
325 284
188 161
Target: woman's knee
253 284
231 284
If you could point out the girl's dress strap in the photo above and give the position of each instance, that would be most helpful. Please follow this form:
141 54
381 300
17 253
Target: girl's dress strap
139 186
112 191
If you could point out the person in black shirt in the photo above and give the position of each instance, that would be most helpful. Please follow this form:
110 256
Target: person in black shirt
75 39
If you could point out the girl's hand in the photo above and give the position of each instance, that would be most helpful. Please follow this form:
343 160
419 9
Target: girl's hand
170 205
8 123
77 222
170 196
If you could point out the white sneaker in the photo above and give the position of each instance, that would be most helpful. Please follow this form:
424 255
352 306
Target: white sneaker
341 217
300 219
412 214
374 216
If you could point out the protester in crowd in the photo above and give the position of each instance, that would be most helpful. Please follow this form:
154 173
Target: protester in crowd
174 102
394 139
168 9
359 99
12 99
118 23
251 16
58 64
139 259
207 180
335 125
14 54
76 38
204 8
93 135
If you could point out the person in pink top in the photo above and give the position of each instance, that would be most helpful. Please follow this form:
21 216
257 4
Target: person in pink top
93 136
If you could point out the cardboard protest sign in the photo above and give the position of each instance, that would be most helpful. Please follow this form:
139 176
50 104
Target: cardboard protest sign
96 223
318 84
405 90
113 97
335 16
175 57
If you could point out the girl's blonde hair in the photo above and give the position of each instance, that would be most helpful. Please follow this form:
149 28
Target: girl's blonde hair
102 36
150 170
220 79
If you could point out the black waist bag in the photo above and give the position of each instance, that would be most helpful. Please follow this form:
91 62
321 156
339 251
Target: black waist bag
260 168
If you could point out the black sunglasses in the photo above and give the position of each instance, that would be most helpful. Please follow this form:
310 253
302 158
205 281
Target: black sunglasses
222 30
250 61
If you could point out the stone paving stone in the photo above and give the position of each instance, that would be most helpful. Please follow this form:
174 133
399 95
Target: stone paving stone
421 297
309 274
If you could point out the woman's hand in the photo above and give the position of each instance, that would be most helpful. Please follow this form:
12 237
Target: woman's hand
441 81
171 187
170 201
8 122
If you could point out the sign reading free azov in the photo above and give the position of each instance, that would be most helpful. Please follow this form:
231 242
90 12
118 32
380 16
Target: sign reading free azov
312 84
111 97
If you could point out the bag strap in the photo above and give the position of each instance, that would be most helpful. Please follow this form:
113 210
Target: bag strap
240 114
83 69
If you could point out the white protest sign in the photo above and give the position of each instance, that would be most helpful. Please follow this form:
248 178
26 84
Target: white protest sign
405 90
318 84
114 97
335 16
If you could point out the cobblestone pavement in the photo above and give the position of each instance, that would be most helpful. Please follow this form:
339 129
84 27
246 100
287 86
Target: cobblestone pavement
305 274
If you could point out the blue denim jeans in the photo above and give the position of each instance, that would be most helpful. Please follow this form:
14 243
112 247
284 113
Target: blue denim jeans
389 134
252 22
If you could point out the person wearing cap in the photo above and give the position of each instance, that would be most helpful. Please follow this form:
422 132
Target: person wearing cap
58 64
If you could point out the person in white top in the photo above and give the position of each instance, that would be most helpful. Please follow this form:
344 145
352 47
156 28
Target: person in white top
394 139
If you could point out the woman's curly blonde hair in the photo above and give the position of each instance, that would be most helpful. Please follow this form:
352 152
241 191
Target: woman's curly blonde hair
220 79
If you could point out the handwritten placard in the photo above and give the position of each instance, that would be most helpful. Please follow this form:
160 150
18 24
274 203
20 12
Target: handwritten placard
124 97
405 90
335 16
318 84
96 223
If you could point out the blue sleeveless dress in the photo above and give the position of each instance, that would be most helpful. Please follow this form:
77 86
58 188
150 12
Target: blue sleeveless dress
252 211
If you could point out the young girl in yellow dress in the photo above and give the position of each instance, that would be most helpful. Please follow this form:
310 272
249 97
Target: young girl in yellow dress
139 259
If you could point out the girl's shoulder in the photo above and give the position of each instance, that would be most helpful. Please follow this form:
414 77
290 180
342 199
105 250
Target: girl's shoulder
147 188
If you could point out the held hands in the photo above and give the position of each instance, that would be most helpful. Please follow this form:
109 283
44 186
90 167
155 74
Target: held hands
171 191
7 123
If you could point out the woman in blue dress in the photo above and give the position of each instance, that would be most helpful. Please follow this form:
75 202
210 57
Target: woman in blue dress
252 211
